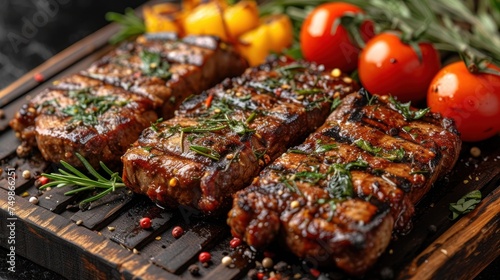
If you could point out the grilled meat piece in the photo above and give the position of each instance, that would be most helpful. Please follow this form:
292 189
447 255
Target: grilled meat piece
337 197
167 69
85 114
219 141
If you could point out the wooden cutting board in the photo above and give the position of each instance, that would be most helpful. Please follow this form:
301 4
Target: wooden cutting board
106 242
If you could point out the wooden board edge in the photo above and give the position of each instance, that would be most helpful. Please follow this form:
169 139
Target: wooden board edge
465 249
70 250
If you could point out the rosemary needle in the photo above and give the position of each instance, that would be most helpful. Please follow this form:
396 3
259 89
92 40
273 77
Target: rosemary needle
73 177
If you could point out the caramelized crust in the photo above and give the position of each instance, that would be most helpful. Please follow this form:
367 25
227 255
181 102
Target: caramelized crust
338 196
249 121
102 111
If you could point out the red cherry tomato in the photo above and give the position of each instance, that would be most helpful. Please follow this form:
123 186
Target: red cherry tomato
145 223
204 257
388 66
333 49
472 100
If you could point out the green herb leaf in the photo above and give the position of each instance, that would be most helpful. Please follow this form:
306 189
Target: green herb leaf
407 128
406 112
297 151
310 177
309 91
335 103
465 204
365 145
250 118
392 155
153 65
73 177
154 126
204 151
340 184
325 148
88 107
131 25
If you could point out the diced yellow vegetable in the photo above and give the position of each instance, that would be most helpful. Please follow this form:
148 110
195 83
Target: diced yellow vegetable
206 19
189 5
162 18
241 17
281 30
254 45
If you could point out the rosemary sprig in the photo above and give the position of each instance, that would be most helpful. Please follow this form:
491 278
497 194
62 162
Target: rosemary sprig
464 27
204 151
336 103
73 177
131 25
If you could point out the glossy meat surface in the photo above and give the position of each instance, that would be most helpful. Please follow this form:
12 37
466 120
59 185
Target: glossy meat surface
191 65
86 116
100 112
219 141
340 194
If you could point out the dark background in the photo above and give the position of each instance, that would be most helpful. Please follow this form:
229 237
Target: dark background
29 35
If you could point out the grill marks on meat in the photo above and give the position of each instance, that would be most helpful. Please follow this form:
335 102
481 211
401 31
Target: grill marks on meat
299 197
194 64
83 115
102 111
206 153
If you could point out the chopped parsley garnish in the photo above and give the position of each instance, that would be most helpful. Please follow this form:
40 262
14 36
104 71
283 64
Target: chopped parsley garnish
392 155
152 65
88 107
465 204
406 112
